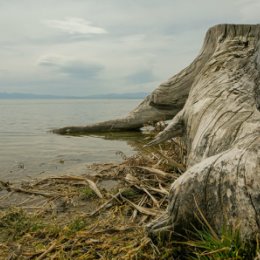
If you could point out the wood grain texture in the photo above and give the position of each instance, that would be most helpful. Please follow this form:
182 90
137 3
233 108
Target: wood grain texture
221 125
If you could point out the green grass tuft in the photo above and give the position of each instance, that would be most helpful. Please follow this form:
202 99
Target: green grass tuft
15 223
87 193
227 245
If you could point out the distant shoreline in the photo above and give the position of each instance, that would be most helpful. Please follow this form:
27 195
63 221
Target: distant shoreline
138 95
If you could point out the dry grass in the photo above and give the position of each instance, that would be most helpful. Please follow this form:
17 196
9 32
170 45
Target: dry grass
87 217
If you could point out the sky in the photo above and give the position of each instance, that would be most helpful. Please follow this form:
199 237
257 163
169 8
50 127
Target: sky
87 47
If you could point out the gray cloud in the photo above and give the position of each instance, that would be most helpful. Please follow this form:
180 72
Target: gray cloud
82 70
140 77
72 68
75 25
51 61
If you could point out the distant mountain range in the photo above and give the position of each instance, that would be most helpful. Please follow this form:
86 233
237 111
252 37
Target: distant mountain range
138 95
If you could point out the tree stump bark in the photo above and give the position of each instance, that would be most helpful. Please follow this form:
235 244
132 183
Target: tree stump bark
221 124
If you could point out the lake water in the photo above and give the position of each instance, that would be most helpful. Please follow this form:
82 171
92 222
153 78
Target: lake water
29 150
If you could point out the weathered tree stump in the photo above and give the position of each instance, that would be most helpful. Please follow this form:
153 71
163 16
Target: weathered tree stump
221 124
215 103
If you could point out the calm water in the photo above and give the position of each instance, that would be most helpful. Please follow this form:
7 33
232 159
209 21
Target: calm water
28 150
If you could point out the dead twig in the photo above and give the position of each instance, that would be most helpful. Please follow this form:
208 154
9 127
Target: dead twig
143 210
52 247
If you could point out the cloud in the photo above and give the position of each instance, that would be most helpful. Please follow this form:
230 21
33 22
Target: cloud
249 10
72 68
82 70
140 77
74 26
51 61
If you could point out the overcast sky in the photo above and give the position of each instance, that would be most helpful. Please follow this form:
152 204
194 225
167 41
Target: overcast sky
85 47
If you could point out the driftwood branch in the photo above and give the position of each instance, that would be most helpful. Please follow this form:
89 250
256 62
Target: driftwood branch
162 104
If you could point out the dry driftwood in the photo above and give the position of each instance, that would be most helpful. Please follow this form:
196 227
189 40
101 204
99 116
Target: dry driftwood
215 103
221 124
